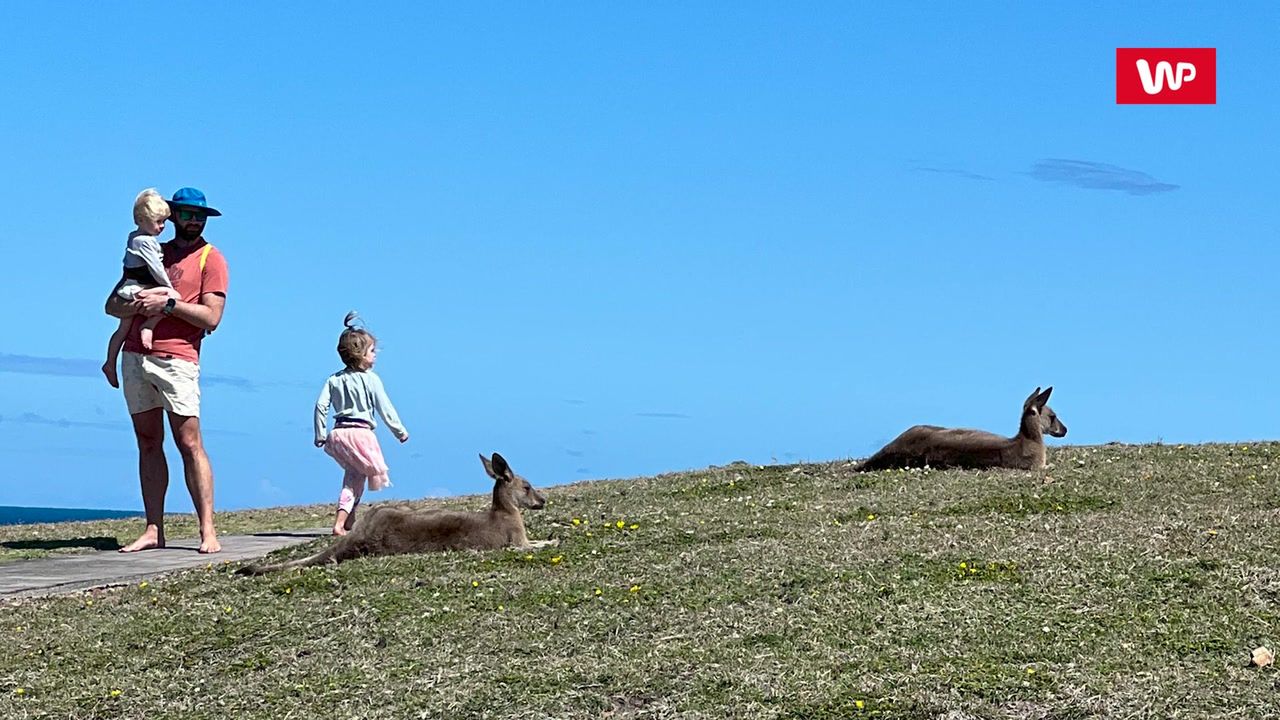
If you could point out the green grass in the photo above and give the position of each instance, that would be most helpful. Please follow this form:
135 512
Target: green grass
1126 581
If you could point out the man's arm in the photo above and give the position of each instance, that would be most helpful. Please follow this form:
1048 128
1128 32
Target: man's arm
118 307
205 314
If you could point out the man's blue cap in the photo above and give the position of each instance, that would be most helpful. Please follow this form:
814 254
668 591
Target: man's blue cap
192 198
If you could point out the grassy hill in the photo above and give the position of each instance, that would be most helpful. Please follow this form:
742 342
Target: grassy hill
1125 581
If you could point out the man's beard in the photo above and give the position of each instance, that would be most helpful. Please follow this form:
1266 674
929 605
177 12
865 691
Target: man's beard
181 233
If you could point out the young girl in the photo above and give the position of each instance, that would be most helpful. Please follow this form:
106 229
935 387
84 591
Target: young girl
143 268
355 393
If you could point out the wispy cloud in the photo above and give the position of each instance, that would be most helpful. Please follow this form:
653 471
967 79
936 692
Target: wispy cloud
82 367
958 173
584 471
574 401
664 415
1097 176
270 489
30 418
574 453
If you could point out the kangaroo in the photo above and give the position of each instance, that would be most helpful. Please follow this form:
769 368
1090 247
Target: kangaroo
952 447
393 531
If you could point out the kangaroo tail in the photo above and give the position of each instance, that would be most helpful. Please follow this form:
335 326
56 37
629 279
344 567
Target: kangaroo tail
880 461
871 463
324 556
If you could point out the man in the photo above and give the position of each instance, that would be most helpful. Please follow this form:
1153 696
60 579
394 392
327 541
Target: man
166 379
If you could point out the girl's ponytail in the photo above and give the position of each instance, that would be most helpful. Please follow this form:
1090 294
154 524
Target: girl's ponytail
354 342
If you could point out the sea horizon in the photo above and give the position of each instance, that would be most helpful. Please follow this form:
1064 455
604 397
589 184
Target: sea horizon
18 515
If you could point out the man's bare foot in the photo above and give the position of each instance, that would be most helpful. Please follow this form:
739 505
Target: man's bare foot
147 335
109 369
209 542
339 530
150 539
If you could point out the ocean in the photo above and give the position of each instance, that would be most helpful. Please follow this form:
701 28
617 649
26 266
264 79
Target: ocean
10 515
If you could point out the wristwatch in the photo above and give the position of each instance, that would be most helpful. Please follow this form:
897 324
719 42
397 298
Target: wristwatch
169 306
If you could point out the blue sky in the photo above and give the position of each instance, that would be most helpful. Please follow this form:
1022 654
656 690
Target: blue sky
615 240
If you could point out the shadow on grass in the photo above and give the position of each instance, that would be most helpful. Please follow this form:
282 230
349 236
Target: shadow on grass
96 543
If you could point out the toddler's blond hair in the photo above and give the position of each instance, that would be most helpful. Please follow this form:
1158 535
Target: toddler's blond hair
149 206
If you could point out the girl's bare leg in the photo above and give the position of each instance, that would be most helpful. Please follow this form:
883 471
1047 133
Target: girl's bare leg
352 489
340 522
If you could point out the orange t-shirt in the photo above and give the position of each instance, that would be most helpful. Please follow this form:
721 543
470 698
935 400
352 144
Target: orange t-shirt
176 338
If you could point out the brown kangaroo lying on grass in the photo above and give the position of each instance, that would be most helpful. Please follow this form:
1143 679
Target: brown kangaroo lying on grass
951 447
393 531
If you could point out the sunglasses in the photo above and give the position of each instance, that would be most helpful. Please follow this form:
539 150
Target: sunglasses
189 215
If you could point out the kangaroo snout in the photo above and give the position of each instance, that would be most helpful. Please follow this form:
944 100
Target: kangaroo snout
536 501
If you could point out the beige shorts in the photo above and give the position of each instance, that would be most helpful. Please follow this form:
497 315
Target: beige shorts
151 382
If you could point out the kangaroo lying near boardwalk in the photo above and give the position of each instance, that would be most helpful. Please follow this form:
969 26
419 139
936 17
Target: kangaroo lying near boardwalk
391 531
951 447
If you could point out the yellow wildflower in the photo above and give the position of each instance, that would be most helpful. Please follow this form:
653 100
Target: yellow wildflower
635 588
142 585
620 524
634 526
859 704
115 693
871 516
528 556
20 691
1031 671
556 560
963 566
599 591
501 608
475 583
227 609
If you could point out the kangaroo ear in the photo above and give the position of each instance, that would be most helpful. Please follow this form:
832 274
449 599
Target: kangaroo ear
500 467
488 468
1031 399
1043 398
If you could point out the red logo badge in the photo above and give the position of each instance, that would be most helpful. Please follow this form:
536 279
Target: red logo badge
1166 76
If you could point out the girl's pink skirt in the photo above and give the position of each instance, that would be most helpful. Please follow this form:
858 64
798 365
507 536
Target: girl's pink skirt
358 452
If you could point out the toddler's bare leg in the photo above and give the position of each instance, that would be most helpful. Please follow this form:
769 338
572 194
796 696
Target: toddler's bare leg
149 327
110 367
149 330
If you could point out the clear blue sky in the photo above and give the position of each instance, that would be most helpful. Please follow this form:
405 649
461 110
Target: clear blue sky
613 240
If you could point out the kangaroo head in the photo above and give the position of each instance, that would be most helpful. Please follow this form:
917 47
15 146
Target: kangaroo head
1036 410
511 486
